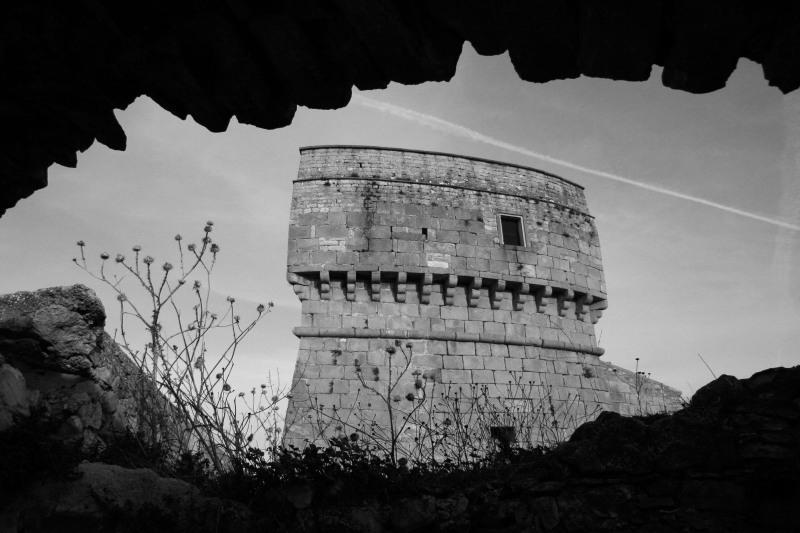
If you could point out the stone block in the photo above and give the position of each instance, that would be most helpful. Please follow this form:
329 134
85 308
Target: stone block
457 376
456 313
494 363
473 326
483 349
484 315
499 350
452 362
516 351
471 362
331 372
483 376
513 364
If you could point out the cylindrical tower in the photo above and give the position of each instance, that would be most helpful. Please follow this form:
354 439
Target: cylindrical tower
489 272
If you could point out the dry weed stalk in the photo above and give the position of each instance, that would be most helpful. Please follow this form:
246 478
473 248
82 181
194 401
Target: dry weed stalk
184 398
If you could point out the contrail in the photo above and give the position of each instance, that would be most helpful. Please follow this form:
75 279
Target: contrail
462 131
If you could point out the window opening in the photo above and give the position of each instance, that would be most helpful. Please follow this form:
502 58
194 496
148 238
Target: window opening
511 230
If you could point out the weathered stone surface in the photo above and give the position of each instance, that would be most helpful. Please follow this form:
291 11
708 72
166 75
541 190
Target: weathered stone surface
56 360
258 62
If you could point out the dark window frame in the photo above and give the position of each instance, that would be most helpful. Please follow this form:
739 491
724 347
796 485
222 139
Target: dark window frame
520 224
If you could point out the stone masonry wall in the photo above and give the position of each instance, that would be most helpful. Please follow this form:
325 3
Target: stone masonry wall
388 244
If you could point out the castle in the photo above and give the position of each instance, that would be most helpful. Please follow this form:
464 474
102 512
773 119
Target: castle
444 270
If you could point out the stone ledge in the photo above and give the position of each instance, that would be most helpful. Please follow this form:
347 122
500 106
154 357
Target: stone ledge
303 274
489 338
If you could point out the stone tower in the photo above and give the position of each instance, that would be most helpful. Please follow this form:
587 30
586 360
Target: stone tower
489 272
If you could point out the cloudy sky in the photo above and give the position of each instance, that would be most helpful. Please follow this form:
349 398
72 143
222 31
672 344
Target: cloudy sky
697 200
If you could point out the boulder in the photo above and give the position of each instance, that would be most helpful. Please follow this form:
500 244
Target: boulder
57 361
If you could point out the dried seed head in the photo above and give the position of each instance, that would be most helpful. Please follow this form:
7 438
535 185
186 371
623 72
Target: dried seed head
104 256
120 258
148 260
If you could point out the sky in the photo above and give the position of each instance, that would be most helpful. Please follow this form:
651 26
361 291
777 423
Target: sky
696 199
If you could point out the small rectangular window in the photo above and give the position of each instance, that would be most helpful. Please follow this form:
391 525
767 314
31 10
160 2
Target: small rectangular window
511 230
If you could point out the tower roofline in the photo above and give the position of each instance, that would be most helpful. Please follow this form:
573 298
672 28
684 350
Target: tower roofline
445 154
